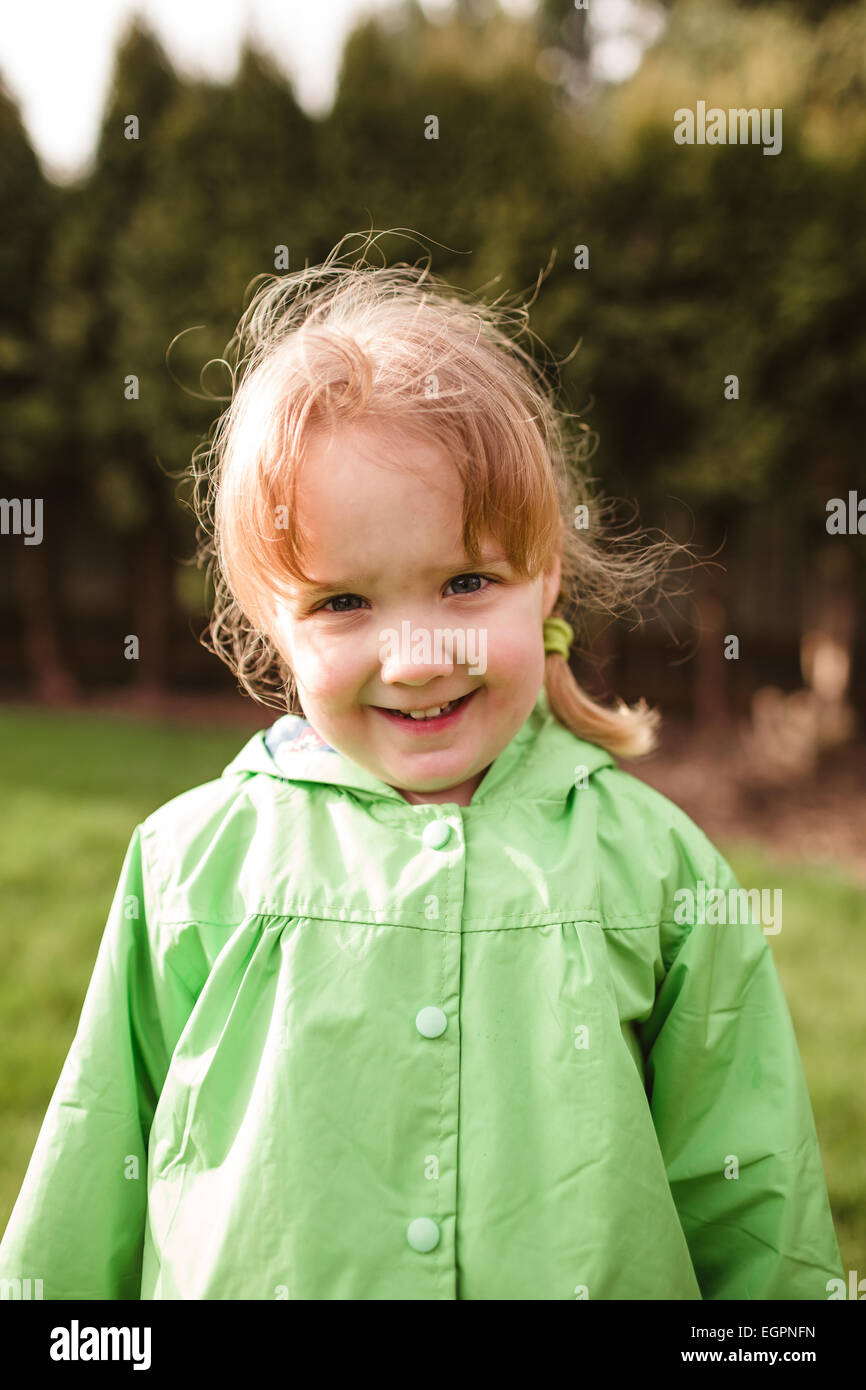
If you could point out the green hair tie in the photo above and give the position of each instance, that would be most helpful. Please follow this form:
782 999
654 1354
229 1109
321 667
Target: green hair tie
558 636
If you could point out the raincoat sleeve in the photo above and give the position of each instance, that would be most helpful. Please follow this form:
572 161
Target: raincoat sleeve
732 1112
79 1220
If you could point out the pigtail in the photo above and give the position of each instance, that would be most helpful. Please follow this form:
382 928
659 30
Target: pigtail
627 731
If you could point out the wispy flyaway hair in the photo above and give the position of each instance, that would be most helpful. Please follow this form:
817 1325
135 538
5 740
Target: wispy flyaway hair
394 346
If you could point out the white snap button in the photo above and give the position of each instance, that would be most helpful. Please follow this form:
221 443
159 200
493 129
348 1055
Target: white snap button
431 1022
436 833
423 1234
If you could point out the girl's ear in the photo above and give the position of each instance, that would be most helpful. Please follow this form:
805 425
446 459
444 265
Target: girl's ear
552 579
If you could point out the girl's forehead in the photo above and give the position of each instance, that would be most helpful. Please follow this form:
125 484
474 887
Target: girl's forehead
362 491
376 438
364 538
343 483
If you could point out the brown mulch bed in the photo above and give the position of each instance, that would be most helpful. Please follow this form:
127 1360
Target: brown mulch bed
817 818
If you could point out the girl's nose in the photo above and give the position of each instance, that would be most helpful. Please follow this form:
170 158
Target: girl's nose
414 655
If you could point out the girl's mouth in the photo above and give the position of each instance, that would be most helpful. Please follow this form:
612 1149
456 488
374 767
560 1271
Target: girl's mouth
449 715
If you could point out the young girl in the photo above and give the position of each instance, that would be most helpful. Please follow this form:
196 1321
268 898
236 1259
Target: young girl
424 997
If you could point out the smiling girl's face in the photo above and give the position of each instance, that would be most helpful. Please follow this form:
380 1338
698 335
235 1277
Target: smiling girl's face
383 541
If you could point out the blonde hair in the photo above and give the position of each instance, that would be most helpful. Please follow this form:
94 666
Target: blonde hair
394 345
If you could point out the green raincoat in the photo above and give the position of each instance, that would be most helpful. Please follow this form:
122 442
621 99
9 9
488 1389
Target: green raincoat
338 1046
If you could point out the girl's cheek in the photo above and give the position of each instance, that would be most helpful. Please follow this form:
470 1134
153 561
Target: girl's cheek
514 648
323 676
318 682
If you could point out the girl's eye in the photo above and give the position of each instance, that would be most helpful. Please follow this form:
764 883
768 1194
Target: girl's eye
461 577
323 608
339 598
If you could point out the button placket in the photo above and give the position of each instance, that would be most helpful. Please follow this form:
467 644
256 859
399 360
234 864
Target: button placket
423 1233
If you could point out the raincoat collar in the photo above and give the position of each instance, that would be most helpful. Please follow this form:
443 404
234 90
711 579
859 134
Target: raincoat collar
542 761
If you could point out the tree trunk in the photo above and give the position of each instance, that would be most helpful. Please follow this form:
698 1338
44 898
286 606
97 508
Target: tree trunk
51 681
603 661
827 639
710 703
154 607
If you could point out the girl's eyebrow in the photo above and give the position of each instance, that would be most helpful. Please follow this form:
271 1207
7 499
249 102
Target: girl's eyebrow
322 586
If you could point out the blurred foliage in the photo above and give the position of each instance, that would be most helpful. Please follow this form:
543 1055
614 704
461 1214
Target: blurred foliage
704 260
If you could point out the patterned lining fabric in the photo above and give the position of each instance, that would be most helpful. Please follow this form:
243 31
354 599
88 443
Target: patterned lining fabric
292 734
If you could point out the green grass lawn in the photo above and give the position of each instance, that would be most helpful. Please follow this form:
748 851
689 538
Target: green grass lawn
74 787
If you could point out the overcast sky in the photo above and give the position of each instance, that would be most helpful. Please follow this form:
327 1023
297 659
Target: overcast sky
56 55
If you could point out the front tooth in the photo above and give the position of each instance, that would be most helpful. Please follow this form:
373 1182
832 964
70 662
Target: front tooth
426 714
